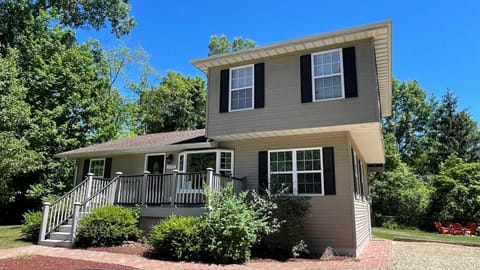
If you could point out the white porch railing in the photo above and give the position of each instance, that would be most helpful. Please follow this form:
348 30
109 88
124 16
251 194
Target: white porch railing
171 190
58 212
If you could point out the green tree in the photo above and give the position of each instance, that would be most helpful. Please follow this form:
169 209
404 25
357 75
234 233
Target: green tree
398 191
178 103
63 96
219 45
452 133
409 123
457 191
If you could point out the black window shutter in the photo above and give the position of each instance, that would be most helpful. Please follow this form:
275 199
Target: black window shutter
329 171
259 85
355 188
108 168
350 72
306 77
262 172
224 90
86 167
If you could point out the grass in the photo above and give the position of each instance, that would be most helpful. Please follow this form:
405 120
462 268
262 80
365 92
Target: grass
10 237
422 235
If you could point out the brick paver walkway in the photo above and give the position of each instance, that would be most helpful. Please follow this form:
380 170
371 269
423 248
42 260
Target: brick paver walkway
376 256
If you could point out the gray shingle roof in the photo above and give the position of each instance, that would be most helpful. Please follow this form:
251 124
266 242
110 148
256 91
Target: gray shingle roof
150 141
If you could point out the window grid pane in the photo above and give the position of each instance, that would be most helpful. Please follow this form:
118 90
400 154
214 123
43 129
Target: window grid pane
241 88
327 75
97 167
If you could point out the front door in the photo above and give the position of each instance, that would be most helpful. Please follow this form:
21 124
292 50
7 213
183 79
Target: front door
155 164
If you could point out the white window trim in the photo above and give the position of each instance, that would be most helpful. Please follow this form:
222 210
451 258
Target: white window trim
217 158
90 166
295 171
326 76
230 88
155 154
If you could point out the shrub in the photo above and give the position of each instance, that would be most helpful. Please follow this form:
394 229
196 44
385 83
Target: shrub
31 225
177 238
107 226
233 225
289 213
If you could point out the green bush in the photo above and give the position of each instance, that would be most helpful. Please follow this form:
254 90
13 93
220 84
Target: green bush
233 225
31 225
107 226
287 241
177 238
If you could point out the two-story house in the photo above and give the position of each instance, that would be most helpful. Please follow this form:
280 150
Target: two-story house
304 114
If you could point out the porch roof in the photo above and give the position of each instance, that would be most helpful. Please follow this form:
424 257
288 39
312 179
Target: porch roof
166 141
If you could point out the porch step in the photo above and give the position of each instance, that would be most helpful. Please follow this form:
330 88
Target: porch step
55 243
65 228
63 236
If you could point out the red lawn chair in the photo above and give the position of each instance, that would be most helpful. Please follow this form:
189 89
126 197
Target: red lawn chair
458 229
472 228
440 228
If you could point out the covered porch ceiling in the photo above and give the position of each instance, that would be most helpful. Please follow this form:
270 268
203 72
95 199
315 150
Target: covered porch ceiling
367 137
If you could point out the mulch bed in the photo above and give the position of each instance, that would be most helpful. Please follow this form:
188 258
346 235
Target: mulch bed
55 263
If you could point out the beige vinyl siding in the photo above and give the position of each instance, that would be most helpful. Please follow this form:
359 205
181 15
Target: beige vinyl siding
329 222
361 207
362 224
283 107
133 164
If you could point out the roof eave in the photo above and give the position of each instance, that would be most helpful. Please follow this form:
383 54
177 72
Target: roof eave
137 150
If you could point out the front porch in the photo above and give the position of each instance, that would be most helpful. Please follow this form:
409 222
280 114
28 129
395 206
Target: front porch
157 195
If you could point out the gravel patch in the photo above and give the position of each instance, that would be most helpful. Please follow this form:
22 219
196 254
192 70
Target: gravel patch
415 255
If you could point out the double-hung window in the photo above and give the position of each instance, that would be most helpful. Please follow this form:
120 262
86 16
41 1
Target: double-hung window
327 74
297 171
241 88
97 167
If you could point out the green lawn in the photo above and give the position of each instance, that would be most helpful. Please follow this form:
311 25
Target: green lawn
417 234
10 237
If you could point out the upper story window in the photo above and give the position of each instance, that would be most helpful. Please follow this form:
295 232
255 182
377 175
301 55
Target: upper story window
241 88
327 72
97 167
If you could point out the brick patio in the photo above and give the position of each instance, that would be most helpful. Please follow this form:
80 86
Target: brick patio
376 256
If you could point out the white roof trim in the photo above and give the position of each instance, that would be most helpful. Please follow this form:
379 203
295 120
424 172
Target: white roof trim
380 33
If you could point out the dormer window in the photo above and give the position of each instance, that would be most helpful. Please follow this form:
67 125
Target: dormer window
241 88
327 72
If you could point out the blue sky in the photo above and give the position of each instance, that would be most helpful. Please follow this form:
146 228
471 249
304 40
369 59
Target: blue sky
436 43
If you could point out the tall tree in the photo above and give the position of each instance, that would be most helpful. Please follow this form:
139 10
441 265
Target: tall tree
219 45
178 103
63 94
409 123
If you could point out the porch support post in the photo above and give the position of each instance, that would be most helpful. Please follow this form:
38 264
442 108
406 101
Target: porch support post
210 178
117 187
43 225
174 188
144 188
89 190
75 220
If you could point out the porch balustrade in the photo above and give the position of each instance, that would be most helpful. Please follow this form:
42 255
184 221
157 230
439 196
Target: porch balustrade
165 190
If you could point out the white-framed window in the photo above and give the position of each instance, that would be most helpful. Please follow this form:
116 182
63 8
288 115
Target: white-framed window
97 167
299 171
241 88
327 75
198 160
